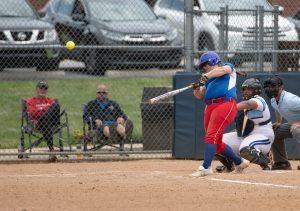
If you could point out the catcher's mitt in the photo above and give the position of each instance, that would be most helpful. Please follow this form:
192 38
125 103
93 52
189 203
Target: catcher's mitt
239 121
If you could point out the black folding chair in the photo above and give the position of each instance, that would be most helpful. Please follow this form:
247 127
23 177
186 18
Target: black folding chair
93 138
32 136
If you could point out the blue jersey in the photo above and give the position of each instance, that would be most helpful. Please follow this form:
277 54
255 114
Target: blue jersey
222 86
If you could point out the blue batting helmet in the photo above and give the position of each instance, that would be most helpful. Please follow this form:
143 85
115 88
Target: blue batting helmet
209 57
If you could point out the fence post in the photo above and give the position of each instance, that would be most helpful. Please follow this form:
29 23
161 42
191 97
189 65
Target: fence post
222 33
189 35
275 39
226 27
261 38
256 39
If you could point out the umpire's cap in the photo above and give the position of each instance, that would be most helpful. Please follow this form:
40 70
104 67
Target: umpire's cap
274 80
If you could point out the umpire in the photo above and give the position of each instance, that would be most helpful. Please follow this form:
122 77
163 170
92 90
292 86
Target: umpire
287 106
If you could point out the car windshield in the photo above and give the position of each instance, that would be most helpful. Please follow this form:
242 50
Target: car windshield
15 8
120 10
240 4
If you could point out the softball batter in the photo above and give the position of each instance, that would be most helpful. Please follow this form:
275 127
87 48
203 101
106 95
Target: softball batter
218 87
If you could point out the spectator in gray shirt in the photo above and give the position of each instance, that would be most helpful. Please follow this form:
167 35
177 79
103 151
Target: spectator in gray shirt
287 106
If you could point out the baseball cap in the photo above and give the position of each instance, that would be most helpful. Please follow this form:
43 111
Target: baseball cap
41 84
274 80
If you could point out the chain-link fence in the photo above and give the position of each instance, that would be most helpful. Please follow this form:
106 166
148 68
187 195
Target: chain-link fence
126 52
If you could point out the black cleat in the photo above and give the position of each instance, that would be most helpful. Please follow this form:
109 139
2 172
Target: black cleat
265 168
281 166
221 169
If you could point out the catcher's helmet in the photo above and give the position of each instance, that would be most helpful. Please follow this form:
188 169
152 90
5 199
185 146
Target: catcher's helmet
273 81
209 57
252 83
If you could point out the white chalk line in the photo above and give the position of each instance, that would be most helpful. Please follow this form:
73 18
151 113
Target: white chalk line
57 174
77 174
255 183
145 173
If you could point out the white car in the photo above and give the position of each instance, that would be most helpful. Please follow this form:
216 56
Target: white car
241 33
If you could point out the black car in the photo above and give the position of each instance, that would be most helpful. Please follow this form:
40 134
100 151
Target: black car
114 34
25 39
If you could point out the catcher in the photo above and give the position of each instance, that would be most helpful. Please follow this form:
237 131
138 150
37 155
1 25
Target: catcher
254 134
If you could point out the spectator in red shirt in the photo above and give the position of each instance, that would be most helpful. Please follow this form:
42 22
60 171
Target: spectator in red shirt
43 113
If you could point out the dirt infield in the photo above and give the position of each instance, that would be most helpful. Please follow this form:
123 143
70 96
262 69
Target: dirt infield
144 185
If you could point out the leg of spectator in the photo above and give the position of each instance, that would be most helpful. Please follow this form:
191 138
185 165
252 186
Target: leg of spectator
49 140
121 130
106 131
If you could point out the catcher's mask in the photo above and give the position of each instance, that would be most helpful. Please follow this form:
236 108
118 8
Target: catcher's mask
254 84
272 86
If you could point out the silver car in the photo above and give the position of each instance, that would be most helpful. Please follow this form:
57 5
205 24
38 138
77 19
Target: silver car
241 36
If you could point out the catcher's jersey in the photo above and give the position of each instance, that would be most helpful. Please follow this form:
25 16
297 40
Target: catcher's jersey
263 108
222 86
262 136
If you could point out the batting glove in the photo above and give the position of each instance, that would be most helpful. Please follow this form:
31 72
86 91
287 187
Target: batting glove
203 80
195 85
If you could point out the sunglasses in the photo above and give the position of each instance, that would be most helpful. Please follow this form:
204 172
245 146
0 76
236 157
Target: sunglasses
43 87
102 93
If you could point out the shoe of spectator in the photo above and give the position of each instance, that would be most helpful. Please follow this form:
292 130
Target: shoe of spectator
21 150
201 172
52 158
281 166
244 164
298 167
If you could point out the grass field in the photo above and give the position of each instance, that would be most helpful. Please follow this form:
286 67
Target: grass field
71 95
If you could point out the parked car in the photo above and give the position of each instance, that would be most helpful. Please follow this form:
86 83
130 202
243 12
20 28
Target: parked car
241 34
25 39
119 34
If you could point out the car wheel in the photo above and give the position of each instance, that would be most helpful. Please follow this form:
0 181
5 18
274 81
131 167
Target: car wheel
205 43
93 64
47 65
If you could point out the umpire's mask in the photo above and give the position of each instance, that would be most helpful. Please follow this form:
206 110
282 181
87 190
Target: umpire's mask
272 86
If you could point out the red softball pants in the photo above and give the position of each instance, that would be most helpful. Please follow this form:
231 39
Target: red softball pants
217 117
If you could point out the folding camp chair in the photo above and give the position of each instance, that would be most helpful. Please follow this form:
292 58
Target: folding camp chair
93 138
31 135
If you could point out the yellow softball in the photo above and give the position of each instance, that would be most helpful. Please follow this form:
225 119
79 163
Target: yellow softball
70 45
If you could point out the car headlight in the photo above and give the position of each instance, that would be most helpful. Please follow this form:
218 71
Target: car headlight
113 35
172 34
50 35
